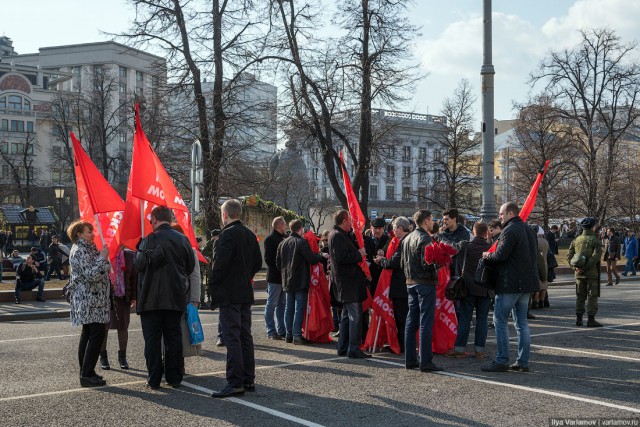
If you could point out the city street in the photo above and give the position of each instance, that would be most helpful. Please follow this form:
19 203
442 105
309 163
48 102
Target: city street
577 372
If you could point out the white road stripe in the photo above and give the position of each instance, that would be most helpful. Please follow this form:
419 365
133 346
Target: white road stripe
524 388
256 407
612 356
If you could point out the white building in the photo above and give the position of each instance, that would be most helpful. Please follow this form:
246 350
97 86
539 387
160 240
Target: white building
403 171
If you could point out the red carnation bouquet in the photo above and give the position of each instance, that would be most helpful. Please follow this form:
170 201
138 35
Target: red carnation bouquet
439 253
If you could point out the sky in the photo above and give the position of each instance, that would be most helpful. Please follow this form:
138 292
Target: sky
448 49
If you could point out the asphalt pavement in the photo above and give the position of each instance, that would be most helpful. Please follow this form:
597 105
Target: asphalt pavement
577 373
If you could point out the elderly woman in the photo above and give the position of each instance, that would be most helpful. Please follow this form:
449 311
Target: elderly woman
89 290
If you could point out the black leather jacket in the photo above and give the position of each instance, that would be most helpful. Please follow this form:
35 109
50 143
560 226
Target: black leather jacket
415 268
294 258
164 261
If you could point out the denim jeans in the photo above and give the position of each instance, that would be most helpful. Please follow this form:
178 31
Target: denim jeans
467 305
630 267
518 303
29 286
275 303
350 328
422 307
294 312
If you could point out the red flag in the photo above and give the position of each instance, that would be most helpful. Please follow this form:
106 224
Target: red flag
530 202
383 323
150 185
445 325
319 317
98 203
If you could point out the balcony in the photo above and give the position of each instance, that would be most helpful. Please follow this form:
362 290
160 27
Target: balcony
19 113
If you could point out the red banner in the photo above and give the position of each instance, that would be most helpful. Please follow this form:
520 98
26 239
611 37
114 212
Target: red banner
382 328
319 320
150 185
530 202
98 203
445 325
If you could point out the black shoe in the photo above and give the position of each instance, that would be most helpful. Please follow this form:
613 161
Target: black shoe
17 300
275 337
530 316
593 323
617 280
219 343
342 353
174 385
93 374
534 305
122 359
40 299
546 303
492 325
578 319
624 274
104 361
359 355
153 386
288 340
228 391
414 365
250 387
301 341
92 382
496 367
430 367
518 368
609 284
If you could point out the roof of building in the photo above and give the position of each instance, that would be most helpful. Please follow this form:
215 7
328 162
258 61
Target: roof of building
17 215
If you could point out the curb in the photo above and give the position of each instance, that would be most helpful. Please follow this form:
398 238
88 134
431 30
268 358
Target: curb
35 315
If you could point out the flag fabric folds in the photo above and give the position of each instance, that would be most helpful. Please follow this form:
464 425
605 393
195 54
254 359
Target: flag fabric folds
318 318
98 203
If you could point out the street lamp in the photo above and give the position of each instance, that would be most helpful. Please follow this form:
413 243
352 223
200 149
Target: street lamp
59 190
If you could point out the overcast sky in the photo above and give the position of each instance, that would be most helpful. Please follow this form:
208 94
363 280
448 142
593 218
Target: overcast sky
449 49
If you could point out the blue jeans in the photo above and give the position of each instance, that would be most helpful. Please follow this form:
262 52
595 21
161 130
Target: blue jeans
481 305
350 328
518 303
294 312
21 285
422 307
629 267
275 303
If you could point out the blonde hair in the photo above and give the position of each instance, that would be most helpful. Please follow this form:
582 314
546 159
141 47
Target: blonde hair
77 227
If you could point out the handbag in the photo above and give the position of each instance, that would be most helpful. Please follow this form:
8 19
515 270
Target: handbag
456 288
196 334
485 276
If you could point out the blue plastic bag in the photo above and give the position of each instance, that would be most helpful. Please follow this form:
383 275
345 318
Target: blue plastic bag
196 335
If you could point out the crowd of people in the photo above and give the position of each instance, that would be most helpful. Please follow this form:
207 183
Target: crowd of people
162 276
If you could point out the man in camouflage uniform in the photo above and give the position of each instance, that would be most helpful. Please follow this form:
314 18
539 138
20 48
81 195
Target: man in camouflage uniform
587 271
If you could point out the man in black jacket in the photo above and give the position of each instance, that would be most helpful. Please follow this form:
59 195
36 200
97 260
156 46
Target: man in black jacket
421 280
236 259
293 259
275 296
164 261
398 286
350 284
455 233
55 259
515 262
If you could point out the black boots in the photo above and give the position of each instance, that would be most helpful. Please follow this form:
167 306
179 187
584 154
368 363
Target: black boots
592 323
578 319
122 359
104 361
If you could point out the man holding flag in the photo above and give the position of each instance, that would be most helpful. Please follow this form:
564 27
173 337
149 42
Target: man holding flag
516 267
350 283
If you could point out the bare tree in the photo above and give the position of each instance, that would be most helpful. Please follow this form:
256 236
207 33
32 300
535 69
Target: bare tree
540 136
20 158
456 167
596 87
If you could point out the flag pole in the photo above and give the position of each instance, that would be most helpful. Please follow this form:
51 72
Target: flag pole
375 340
104 243
141 218
306 321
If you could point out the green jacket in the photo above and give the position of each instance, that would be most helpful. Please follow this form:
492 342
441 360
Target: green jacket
588 244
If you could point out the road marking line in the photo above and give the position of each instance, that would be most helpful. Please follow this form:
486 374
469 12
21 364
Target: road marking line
256 407
524 388
634 359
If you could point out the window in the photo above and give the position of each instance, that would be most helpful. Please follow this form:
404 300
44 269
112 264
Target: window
4 147
30 127
373 171
139 92
26 105
422 193
391 192
437 155
15 148
373 192
406 172
314 154
5 124
17 126
123 72
392 152
391 171
56 151
3 102
406 193
139 78
315 173
422 174
6 171
406 153
423 154
15 102
123 88
56 175
327 192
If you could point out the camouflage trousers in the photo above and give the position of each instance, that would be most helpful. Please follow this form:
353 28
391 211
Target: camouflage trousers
587 290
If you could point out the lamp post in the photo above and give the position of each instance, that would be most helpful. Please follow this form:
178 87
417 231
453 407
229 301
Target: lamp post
59 190
488 211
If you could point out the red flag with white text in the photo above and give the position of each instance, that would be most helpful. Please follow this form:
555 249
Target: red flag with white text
319 319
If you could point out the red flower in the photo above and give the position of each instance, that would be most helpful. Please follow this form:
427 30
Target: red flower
439 253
